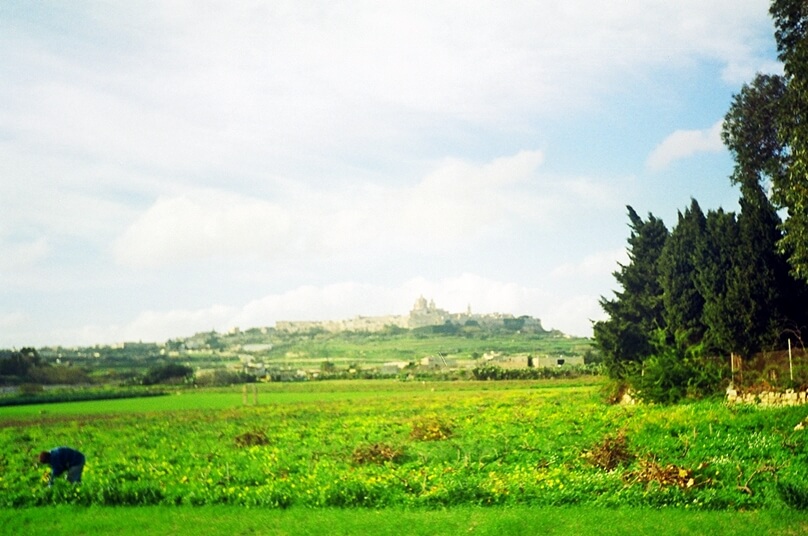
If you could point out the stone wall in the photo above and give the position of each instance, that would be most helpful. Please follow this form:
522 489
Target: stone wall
789 397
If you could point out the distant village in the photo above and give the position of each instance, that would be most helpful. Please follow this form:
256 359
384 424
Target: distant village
281 352
423 314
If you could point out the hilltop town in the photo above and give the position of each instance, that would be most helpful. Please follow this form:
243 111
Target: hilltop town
423 314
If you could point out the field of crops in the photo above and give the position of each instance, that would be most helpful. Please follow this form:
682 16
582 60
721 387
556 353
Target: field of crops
394 444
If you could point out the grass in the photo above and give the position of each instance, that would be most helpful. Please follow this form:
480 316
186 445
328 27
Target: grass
378 348
270 394
228 520
523 449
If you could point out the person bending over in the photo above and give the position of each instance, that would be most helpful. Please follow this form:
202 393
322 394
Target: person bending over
63 460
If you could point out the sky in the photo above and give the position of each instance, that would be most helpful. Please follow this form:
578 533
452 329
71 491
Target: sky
170 167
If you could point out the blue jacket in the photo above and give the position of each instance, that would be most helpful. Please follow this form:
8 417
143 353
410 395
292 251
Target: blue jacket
62 459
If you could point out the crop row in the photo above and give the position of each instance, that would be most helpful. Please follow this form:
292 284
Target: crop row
483 447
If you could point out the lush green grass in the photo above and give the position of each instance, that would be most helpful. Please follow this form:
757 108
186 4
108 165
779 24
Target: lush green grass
310 350
228 520
414 445
373 349
272 394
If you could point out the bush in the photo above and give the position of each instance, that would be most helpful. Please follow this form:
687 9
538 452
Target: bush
171 374
59 375
677 371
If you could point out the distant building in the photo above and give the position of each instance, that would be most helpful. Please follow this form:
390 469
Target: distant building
423 314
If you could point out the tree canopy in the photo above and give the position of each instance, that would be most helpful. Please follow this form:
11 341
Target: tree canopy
637 310
722 283
766 130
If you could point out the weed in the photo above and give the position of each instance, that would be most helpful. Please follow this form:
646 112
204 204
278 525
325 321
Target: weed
611 452
378 453
431 429
251 439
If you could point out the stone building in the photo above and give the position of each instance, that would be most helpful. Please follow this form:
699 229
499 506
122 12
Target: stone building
423 314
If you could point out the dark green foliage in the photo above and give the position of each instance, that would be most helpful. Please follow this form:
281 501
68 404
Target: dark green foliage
716 285
765 130
19 363
514 324
39 396
493 372
760 276
170 373
447 328
27 366
726 286
678 265
715 260
676 371
637 310
794 493
59 375
223 377
750 131
724 289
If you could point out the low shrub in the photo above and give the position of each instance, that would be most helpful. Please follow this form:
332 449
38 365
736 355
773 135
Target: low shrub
378 453
611 452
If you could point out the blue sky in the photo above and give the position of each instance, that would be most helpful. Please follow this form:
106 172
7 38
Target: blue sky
175 167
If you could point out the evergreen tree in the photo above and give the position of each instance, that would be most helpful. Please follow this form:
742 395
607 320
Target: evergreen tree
761 275
636 311
683 303
743 279
716 260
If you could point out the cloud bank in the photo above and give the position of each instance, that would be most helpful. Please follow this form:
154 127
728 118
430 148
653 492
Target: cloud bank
684 144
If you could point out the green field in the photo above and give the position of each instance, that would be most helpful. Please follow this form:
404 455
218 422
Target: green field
487 457
359 352
480 521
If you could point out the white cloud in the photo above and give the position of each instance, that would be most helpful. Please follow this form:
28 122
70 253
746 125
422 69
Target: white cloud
456 202
575 314
162 325
12 320
22 255
339 301
202 224
208 140
685 143
234 85
593 265
149 326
